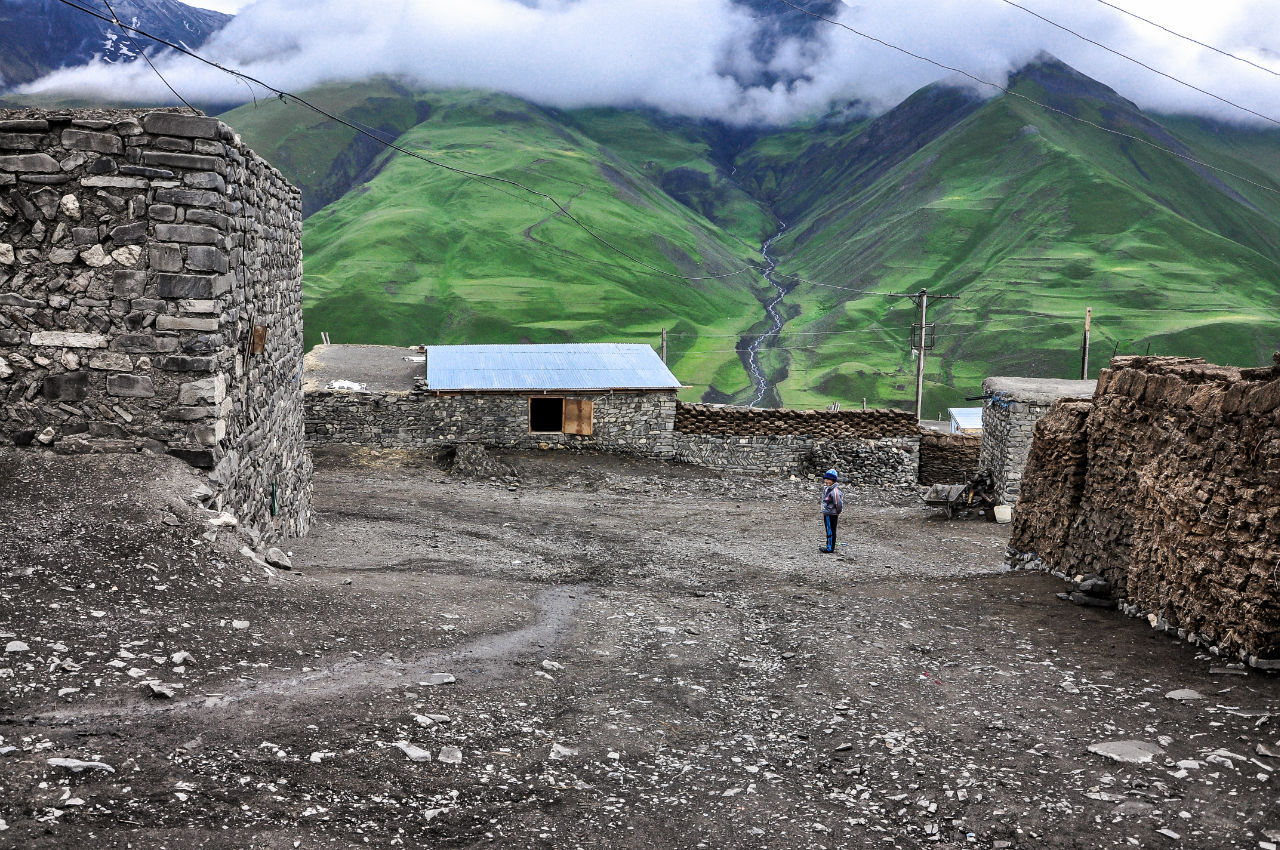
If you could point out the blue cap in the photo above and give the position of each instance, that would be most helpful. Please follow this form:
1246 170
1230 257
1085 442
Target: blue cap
832 474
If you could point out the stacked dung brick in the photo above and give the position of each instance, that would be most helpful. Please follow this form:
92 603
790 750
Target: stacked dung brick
871 447
819 424
948 458
1168 486
150 299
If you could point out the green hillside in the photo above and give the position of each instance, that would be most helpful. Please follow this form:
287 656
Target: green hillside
416 253
1028 216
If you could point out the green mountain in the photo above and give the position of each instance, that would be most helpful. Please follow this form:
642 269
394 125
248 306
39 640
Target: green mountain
1027 215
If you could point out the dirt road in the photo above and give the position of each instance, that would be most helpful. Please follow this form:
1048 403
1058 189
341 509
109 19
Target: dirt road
597 653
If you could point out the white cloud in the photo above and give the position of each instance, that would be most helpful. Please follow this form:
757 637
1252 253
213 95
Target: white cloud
688 56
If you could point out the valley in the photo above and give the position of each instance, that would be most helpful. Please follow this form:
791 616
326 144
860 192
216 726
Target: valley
1028 216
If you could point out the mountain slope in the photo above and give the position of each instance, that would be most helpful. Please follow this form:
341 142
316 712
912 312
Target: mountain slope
40 36
416 253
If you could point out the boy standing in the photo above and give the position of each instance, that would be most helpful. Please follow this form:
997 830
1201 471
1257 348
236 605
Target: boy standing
832 505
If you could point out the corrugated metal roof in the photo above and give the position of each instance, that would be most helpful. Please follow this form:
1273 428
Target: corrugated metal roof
966 418
582 366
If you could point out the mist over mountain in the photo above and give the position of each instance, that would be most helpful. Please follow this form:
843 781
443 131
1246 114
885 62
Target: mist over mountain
738 61
41 36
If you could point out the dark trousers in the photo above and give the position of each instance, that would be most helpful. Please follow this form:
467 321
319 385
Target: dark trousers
829 520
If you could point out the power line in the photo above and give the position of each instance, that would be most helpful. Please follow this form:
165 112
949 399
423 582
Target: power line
116 20
1139 62
283 95
1190 39
1021 96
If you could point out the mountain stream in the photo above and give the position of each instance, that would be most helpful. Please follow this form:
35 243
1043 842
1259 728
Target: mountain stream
754 369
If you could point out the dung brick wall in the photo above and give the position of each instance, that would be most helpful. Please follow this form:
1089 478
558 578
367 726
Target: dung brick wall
1168 486
138 251
869 447
1010 410
627 422
948 458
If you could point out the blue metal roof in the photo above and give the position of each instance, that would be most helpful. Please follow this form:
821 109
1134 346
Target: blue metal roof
582 366
967 418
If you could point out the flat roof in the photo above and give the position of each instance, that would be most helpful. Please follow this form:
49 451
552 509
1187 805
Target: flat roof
576 366
1038 390
378 368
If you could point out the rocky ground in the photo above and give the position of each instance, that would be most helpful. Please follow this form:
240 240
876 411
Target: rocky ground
586 651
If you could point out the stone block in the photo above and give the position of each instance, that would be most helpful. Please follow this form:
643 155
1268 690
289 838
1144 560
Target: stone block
144 343
210 435
162 212
128 255
73 386
184 286
128 284
165 258
131 386
210 218
24 125
182 363
108 361
206 391
189 197
194 162
199 458
190 413
149 173
64 339
134 233
114 182
30 162
183 323
21 142
187 234
84 140
195 306
207 258
206 180
13 299
177 124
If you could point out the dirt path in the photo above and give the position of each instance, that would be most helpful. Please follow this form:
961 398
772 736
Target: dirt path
644 655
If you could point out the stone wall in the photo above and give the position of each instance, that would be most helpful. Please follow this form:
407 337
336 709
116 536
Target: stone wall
138 252
893 461
1167 486
1010 410
949 458
628 422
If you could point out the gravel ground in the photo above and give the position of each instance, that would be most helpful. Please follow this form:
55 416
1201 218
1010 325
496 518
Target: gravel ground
585 651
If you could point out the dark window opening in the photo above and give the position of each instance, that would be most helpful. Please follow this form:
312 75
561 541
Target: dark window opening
546 415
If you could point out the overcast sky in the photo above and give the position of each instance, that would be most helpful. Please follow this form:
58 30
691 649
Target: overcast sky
687 56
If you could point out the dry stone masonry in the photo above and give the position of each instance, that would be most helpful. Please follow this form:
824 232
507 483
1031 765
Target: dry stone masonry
1010 410
624 422
150 299
1166 487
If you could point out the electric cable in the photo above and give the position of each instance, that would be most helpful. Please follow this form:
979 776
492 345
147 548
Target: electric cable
285 95
1218 50
115 19
1046 107
1139 62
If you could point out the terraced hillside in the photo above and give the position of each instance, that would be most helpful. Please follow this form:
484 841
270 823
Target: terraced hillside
1026 214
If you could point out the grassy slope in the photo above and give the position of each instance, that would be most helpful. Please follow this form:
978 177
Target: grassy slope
1030 217
1030 227
421 254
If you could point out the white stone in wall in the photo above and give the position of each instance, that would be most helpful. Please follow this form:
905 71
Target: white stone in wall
70 206
6 254
63 339
95 257
128 255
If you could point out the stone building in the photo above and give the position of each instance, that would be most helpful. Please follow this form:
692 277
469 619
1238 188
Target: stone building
615 397
150 299
1010 410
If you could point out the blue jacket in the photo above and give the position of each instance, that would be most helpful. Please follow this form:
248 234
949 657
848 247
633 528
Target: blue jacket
832 501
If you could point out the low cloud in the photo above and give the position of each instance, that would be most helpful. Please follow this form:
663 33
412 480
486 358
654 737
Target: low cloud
701 57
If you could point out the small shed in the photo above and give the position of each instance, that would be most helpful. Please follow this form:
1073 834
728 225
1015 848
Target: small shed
965 420
619 396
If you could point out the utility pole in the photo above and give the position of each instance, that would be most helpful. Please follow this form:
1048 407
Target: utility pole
921 300
1084 350
664 345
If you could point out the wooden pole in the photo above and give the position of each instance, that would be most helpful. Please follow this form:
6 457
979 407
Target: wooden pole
1084 351
924 301
664 345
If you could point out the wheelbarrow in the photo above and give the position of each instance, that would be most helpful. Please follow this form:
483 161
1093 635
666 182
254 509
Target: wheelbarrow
979 494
